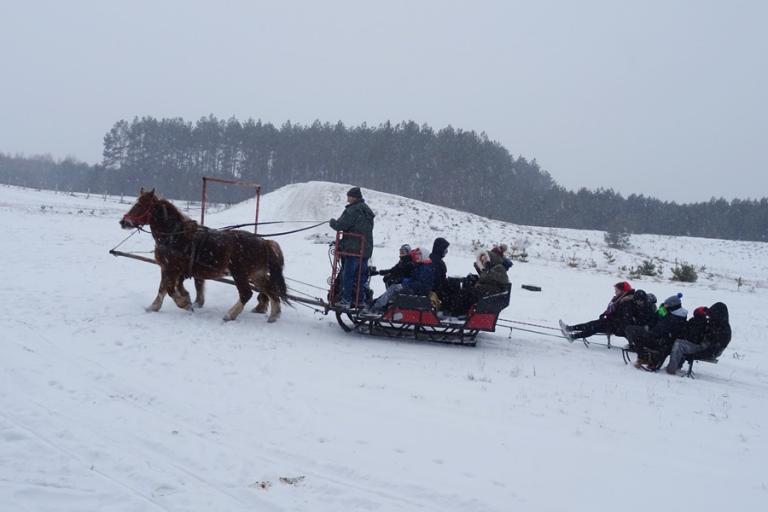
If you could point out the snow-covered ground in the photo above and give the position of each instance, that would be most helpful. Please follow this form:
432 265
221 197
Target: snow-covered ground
106 407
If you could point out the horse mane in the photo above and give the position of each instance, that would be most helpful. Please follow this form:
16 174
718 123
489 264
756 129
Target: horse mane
189 226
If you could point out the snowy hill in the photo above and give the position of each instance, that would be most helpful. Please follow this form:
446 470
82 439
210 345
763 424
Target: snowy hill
106 407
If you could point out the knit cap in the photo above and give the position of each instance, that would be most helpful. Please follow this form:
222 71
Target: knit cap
672 303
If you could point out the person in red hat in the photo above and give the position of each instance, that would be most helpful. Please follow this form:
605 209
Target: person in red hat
610 321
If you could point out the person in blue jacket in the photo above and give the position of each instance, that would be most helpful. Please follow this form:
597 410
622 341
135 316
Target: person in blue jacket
421 282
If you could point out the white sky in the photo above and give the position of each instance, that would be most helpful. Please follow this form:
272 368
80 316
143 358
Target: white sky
665 98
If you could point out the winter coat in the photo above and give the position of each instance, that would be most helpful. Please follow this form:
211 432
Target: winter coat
439 247
669 327
640 312
403 268
613 306
357 218
717 334
422 280
618 314
694 329
493 281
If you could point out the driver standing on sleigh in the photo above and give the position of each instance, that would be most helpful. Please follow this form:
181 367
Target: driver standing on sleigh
357 218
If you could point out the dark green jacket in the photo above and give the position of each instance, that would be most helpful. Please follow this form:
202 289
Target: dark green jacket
493 281
357 218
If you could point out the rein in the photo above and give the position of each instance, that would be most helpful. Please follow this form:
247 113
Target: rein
235 226
292 231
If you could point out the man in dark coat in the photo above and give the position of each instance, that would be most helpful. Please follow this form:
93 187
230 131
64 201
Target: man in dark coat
654 344
706 335
439 251
357 225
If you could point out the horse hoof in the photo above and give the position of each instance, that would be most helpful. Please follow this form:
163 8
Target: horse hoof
198 304
258 310
151 309
272 319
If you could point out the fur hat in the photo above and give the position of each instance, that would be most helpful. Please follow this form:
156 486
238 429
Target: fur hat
355 192
672 303
483 259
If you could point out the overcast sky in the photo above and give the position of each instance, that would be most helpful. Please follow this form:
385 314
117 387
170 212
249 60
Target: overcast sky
665 98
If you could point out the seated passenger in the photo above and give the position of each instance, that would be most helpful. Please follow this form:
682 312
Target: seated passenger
653 344
705 335
641 311
402 269
440 289
421 282
610 321
492 279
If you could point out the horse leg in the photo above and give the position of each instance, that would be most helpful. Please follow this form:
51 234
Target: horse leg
266 298
181 295
161 293
244 289
199 292
274 311
263 303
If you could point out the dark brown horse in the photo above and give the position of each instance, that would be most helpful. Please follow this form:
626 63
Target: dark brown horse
185 249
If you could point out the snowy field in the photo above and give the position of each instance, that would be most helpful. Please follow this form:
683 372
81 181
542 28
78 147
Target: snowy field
104 407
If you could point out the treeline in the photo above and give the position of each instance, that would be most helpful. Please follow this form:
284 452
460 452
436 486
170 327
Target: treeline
450 167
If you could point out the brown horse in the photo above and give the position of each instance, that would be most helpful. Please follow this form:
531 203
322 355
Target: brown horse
185 249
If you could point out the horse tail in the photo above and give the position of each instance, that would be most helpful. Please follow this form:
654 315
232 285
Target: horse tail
276 279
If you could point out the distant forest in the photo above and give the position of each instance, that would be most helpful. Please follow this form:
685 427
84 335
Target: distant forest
450 167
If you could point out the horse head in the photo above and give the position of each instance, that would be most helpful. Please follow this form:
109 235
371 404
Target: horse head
141 212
